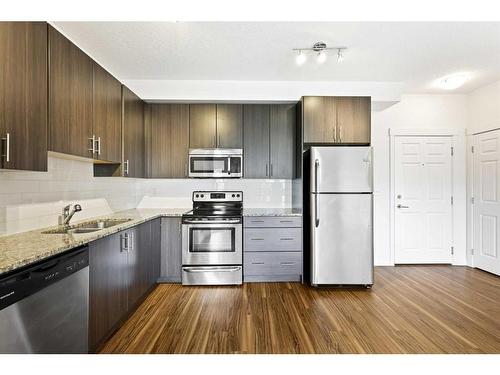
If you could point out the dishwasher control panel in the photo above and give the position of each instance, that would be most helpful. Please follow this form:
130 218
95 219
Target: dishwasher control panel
26 281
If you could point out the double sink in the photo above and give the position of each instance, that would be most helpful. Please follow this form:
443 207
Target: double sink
87 227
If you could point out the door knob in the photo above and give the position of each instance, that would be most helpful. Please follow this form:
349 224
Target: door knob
401 206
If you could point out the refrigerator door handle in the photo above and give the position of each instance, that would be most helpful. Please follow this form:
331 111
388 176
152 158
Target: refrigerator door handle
316 207
316 168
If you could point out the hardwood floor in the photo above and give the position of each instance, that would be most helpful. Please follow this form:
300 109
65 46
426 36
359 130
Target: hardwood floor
411 309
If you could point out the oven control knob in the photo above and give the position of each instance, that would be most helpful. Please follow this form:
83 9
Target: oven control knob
202 195
233 195
197 195
238 195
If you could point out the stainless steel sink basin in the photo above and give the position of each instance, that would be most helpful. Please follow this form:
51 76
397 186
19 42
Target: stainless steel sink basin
88 227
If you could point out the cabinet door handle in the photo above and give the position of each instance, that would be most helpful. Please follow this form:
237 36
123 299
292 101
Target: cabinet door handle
287 263
286 221
92 143
220 143
7 147
340 133
266 170
286 239
258 263
335 133
214 142
256 239
257 221
98 145
271 170
185 169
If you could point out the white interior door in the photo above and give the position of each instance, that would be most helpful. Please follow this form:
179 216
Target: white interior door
486 211
423 200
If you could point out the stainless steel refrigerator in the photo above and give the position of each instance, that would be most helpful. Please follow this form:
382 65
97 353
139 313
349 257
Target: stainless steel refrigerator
341 219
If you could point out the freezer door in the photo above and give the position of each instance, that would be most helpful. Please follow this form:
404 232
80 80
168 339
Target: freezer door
341 170
341 239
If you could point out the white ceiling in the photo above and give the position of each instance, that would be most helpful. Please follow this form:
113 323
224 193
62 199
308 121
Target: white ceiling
412 53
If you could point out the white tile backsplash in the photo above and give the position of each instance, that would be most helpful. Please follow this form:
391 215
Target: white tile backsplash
32 200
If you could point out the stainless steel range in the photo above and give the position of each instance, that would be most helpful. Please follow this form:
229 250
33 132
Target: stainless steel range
212 239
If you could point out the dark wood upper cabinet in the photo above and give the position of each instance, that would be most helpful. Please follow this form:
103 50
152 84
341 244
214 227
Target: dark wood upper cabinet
256 140
329 119
229 125
202 126
319 119
70 97
107 112
169 140
282 141
23 95
133 135
354 119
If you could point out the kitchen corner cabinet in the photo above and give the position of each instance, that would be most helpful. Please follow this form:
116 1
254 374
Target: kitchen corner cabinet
169 140
269 141
70 97
133 135
84 104
107 111
337 120
23 95
202 126
122 270
171 250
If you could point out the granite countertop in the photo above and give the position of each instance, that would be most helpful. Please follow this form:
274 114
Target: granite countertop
21 249
272 212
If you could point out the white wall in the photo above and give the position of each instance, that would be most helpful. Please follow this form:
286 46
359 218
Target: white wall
418 112
484 108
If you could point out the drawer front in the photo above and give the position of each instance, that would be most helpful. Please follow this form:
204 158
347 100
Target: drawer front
272 264
272 239
272 222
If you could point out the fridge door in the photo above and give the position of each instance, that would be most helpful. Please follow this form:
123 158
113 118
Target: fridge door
341 239
341 169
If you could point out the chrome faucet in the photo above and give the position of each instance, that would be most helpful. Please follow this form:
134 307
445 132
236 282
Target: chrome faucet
68 213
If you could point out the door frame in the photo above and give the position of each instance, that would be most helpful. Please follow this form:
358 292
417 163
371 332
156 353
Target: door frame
471 144
419 132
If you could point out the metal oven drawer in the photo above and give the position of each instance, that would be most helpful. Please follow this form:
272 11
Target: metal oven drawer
212 275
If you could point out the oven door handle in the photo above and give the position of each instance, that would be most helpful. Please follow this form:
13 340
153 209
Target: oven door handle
213 269
235 221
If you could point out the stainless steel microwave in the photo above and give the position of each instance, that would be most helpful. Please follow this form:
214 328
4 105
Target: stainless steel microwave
216 163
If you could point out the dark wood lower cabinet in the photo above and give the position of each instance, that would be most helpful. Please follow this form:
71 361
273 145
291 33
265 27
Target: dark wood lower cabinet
108 287
171 250
123 268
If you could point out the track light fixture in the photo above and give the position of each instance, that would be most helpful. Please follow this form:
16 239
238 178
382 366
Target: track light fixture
320 49
301 58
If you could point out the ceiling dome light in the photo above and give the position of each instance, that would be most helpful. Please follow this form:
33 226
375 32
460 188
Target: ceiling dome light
321 57
301 58
452 82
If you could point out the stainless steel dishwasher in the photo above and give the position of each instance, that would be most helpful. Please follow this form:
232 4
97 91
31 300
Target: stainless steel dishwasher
44 308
